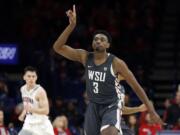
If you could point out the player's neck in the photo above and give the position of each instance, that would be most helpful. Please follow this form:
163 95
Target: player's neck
1 123
29 87
100 55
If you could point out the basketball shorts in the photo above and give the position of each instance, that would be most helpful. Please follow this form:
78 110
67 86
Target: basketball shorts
99 117
44 128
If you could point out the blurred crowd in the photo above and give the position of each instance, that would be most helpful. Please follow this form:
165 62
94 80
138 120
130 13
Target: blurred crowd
36 25
67 115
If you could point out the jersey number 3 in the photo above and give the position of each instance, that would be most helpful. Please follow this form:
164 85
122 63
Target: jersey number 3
95 89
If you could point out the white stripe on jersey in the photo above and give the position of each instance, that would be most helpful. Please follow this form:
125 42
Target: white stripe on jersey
118 88
120 93
112 71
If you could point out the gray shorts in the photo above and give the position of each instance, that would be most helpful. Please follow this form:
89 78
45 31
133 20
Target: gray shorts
99 117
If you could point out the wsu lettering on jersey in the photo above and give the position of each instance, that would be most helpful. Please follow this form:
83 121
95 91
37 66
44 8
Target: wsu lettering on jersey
97 76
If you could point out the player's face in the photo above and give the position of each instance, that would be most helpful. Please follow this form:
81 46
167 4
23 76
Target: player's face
60 123
100 43
30 78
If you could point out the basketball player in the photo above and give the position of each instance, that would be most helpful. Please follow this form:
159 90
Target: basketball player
102 115
36 107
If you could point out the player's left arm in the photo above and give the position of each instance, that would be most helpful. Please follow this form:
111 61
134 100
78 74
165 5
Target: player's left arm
131 110
43 103
120 67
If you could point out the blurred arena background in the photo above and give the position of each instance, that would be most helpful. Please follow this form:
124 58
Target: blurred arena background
145 34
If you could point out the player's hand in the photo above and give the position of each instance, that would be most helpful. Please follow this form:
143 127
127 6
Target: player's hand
21 118
31 109
72 16
155 118
142 108
22 115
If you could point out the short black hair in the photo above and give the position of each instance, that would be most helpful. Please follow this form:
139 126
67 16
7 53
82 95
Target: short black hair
104 33
30 68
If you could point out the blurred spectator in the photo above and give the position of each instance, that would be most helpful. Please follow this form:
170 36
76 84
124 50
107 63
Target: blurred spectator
14 116
59 108
3 128
173 111
60 125
3 93
75 118
177 126
12 130
167 104
132 123
83 104
142 118
6 103
148 128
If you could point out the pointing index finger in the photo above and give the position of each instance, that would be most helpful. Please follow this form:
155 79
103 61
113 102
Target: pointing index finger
74 8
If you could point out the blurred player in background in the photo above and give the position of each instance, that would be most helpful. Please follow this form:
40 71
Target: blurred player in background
36 107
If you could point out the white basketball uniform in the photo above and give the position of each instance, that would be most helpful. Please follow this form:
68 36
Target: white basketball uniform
38 124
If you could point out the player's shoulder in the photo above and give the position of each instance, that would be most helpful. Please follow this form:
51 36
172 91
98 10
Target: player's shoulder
22 88
118 63
89 55
117 60
83 52
41 89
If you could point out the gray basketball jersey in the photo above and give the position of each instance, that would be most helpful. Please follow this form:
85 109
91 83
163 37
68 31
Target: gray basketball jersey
101 84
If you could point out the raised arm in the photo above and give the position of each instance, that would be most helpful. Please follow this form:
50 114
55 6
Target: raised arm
120 67
60 44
